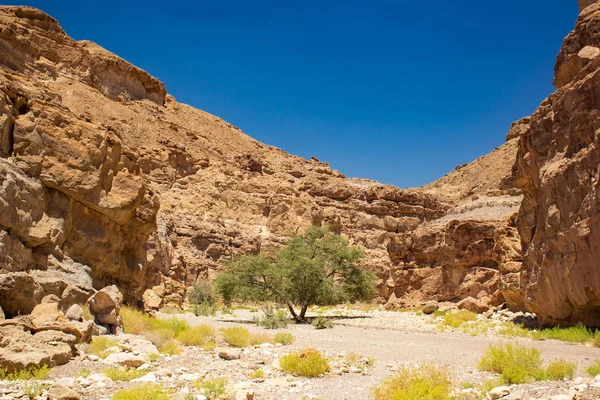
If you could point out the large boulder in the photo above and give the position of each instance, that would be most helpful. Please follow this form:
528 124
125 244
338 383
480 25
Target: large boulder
152 301
20 349
47 316
105 305
19 293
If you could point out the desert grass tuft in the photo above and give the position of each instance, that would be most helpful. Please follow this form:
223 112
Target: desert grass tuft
427 382
307 362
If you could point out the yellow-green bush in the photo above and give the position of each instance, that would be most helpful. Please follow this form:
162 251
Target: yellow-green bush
196 336
560 369
172 348
257 373
236 336
515 363
307 362
425 383
572 334
456 319
122 374
260 338
145 392
594 369
214 389
31 373
99 345
284 338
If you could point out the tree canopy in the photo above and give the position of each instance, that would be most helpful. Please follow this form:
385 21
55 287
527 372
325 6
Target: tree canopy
315 268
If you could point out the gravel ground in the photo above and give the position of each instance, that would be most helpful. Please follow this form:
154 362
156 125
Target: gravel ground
393 339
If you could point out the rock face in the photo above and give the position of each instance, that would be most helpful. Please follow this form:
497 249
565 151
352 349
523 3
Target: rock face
558 171
584 3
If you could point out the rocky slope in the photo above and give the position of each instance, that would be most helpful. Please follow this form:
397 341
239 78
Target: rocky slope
107 179
558 159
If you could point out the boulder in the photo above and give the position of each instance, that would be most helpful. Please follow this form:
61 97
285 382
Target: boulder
20 349
152 301
105 305
19 293
74 313
430 307
47 316
125 359
61 392
473 305
229 354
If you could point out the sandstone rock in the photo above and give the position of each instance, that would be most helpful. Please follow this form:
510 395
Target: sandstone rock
472 304
430 307
557 170
229 354
499 392
105 305
585 3
60 392
152 301
125 359
19 294
74 313
20 349
47 316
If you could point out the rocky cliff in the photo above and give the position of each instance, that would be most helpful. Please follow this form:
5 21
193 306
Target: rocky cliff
107 179
558 170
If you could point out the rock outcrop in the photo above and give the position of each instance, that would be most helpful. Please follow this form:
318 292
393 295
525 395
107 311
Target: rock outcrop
558 171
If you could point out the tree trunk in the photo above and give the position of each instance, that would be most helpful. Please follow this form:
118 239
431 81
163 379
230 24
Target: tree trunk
303 313
298 320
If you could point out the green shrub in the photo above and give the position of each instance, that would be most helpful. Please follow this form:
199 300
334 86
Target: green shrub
173 324
33 390
573 334
196 336
322 323
202 293
284 338
134 321
257 373
456 319
171 348
205 310
236 336
307 362
209 345
158 331
560 369
596 339
272 319
31 373
99 345
424 383
214 389
145 392
515 363
121 374
594 369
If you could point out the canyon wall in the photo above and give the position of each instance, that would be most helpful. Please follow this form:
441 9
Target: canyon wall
558 170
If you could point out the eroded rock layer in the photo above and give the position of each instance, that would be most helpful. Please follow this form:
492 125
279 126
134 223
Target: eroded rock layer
558 170
106 179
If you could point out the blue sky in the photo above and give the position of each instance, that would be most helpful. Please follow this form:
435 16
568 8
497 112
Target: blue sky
397 91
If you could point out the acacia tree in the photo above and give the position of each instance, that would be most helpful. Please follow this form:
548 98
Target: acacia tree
317 267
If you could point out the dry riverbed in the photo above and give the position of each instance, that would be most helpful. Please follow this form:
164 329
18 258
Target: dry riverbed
391 339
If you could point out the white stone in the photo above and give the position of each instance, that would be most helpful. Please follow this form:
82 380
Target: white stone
125 359
150 377
499 392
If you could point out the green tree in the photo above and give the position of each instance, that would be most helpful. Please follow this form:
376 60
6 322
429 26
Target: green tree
317 267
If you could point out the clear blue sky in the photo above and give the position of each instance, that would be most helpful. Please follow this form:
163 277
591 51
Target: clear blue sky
398 91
